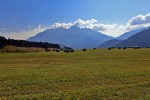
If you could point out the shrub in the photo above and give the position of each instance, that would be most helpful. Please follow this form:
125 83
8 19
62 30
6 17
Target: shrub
66 51
71 50
57 50
119 47
124 47
109 48
84 49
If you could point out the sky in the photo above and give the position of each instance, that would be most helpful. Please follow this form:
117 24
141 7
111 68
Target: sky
21 19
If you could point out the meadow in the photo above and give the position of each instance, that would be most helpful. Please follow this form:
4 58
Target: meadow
94 74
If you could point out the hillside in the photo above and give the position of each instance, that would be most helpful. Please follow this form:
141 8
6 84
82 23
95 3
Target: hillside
126 35
110 43
24 43
140 39
73 37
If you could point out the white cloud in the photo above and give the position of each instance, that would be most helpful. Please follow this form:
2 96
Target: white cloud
79 23
112 29
109 29
82 23
139 20
24 34
63 25
97 27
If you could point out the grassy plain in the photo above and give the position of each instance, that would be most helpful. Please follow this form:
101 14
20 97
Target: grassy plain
94 74
14 49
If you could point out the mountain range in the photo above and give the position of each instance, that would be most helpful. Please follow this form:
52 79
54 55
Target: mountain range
78 38
130 33
110 43
141 39
74 37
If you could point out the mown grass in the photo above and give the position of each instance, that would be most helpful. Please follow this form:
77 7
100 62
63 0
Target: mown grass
94 74
14 49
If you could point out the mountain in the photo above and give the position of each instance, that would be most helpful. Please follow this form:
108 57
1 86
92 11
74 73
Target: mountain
110 43
130 33
116 41
141 38
74 37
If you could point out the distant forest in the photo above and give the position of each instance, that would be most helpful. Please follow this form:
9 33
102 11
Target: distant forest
24 43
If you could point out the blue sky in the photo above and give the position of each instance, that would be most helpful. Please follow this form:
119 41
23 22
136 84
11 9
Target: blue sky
19 15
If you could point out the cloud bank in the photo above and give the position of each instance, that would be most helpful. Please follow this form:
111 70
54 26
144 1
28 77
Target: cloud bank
140 20
109 29
23 35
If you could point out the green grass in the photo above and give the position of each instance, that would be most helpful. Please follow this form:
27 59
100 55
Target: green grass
14 49
94 74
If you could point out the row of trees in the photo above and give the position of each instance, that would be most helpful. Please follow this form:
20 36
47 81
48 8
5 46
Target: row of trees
23 43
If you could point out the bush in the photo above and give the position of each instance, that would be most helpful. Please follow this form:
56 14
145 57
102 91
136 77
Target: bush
66 51
71 50
109 48
57 50
124 47
119 47
84 49
7 51
94 48
46 50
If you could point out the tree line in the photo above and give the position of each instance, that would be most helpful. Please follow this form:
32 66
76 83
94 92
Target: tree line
24 43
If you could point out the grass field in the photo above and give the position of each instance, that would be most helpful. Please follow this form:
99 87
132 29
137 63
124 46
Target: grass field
94 74
14 49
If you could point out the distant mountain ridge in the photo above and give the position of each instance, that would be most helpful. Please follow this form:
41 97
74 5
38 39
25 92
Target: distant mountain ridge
141 38
130 33
73 37
110 43
119 40
78 38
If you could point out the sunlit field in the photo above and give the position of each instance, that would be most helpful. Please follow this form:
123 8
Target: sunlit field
94 74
